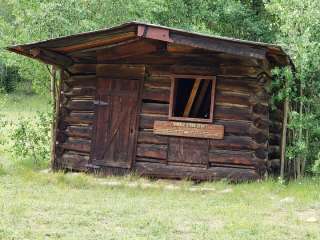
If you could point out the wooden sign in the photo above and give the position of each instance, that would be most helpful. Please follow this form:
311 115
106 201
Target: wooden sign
188 129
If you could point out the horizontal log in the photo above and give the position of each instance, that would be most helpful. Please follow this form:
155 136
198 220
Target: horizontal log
150 137
186 69
77 144
155 108
74 161
232 157
149 160
121 71
80 105
158 83
147 120
261 152
234 143
156 94
235 127
194 173
82 81
260 109
236 84
152 151
79 118
82 69
232 166
79 131
232 99
81 92
231 113
261 123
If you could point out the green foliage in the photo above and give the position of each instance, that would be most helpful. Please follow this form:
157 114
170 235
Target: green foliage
31 139
298 24
9 78
28 21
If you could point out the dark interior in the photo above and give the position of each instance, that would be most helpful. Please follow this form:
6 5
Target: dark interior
201 105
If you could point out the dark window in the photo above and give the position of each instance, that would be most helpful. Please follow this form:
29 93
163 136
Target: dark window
192 98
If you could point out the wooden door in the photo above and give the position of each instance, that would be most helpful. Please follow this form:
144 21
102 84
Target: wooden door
117 102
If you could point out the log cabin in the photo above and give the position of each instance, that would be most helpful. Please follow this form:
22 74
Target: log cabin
163 102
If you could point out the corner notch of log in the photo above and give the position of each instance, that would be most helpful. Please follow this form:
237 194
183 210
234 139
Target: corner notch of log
52 58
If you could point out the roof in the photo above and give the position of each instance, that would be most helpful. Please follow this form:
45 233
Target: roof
63 51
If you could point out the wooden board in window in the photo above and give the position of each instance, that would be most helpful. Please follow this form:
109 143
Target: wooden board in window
192 98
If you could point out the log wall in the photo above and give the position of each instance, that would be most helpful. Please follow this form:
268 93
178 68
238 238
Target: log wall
241 105
75 123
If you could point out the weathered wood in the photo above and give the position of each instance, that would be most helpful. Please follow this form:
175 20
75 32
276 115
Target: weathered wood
186 129
234 143
78 105
232 157
130 49
155 108
115 125
219 45
161 95
51 57
82 69
79 131
81 92
184 150
147 120
79 118
151 138
152 151
232 113
235 127
200 98
232 99
124 71
74 161
91 42
192 97
77 144
82 81
194 173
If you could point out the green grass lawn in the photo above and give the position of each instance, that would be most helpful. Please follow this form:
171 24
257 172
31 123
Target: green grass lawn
74 206
40 205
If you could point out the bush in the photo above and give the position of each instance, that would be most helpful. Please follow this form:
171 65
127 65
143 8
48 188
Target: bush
31 139
9 78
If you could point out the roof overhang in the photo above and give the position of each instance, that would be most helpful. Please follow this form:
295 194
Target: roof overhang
63 51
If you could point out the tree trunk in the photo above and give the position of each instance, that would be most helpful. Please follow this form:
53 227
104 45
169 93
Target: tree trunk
284 137
53 78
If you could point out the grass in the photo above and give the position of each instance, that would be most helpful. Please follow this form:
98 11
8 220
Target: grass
37 205
41 205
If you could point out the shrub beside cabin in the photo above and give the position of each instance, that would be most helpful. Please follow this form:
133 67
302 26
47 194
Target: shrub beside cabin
163 102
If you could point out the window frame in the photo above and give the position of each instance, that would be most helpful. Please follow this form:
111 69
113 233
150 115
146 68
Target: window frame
174 78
